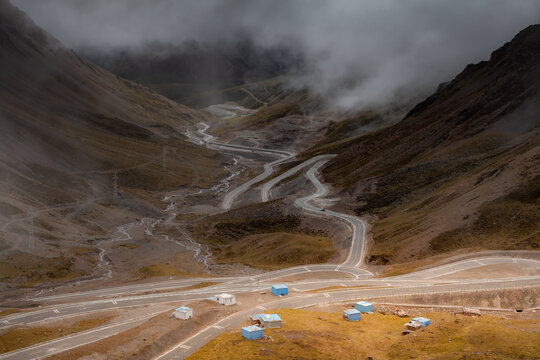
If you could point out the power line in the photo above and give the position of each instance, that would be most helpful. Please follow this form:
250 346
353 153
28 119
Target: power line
115 186
164 159
31 234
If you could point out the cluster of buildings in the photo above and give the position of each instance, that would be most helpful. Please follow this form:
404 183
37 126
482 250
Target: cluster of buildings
268 321
356 313
184 312
265 321
367 308
260 322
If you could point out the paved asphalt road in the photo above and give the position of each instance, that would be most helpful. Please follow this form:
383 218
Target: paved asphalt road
127 289
356 254
229 198
268 170
267 187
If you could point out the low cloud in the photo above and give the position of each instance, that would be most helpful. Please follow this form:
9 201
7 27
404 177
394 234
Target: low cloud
356 52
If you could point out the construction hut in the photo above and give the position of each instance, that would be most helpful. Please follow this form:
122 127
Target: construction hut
280 289
183 312
364 306
351 315
226 299
417 323
267 320
252 332
422 320
411 326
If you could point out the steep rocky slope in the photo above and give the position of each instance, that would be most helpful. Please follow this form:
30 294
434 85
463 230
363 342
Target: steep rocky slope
67 125
471 146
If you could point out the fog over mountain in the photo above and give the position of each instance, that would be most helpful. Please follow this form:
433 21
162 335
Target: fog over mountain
355 52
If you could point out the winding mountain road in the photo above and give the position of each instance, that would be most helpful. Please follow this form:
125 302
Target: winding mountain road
267 187
230 197
356 252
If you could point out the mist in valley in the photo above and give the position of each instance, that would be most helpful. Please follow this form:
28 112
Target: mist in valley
352 53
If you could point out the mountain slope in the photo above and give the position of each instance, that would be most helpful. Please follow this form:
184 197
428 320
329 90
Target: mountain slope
473 142
67 125
192 72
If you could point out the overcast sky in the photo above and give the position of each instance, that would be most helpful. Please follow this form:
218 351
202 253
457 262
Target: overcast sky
383 46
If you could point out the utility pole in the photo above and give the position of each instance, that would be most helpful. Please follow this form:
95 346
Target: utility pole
31 237
164 159
115 186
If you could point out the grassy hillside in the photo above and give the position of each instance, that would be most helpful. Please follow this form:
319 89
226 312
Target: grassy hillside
262 236
508 223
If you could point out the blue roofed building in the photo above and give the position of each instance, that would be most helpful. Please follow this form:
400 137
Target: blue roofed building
364 306
280 289
422 320
252 332
417 323
351 315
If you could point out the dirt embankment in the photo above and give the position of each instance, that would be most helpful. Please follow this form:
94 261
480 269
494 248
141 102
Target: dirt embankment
501 299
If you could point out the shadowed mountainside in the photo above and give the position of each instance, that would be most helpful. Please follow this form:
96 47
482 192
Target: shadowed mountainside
471 143
193 72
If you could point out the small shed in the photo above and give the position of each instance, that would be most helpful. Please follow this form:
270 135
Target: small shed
252 332
280 289
364 306
351 315
422 320
183 312
226 299
411 326
267 320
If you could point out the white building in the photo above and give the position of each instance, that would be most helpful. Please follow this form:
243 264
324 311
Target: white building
183 312
226 299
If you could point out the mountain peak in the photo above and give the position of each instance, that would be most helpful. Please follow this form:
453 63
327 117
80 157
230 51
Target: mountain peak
19 33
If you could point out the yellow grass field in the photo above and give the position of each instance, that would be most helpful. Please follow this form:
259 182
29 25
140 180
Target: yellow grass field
322 335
